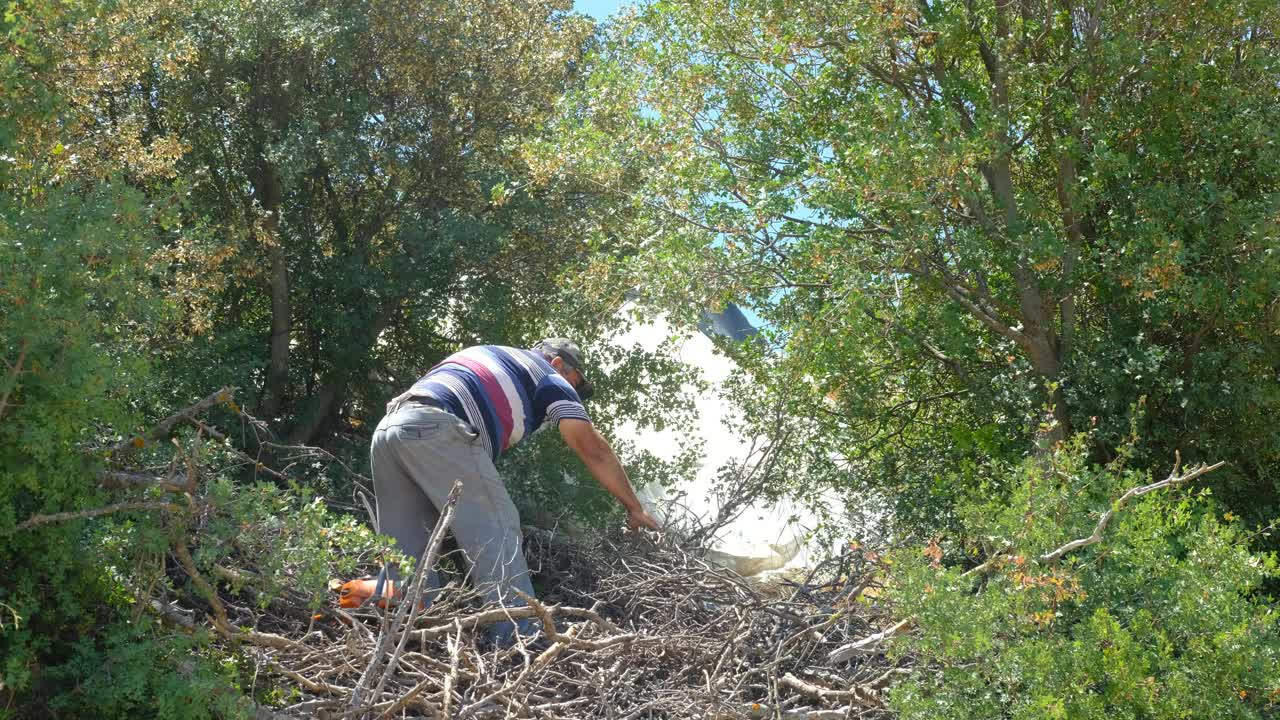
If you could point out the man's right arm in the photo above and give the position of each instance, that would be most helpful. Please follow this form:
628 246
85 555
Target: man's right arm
604 466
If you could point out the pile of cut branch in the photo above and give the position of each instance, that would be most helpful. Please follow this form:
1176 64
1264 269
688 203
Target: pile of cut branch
632 627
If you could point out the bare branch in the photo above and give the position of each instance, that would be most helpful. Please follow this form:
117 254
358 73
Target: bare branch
123 480
165 427
36 520
408 604
860 694
1096 536
870 644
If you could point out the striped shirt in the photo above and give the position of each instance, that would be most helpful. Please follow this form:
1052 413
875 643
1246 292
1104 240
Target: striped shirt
504 393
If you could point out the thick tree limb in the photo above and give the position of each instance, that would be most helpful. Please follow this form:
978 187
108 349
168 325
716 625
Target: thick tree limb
188 563
117 479
870 644
171 614
860 694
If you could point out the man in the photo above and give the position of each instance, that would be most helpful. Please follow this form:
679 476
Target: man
452 425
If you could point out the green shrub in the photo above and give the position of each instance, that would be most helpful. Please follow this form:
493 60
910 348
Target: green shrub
133 667
1161 619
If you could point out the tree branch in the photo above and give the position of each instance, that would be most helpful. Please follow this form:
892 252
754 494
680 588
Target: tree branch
117 479
929 347
870 644
857 692
165 427
1096 535
408 606
36 520
15 370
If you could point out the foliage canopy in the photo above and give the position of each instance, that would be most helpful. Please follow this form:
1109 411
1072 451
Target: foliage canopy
971 228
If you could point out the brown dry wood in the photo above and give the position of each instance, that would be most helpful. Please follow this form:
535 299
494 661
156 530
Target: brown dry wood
165 427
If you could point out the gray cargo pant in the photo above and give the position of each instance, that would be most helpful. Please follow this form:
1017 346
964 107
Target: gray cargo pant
418 451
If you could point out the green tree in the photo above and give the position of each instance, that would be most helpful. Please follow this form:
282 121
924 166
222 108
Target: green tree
179 183
1095 602
972 227
75 298
350 168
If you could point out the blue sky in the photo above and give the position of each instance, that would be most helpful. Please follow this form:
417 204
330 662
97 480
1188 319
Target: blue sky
598 9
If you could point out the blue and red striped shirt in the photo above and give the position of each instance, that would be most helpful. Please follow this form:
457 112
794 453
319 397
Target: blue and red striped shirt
504 393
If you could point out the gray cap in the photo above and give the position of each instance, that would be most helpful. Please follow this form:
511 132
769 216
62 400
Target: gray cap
571 354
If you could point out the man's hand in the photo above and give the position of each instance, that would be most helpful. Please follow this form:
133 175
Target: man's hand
638 518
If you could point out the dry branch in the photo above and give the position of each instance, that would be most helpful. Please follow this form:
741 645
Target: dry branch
121 480
35 520
856 693
871 644
409 601
635 626
1096 536
164 428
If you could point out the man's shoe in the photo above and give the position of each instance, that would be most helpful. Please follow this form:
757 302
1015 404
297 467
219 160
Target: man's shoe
502 635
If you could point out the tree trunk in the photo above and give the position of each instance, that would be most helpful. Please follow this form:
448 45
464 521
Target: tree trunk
281 319
313 421
267 188
272 105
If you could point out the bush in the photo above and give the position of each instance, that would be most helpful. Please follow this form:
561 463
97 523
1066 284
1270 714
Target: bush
1161 619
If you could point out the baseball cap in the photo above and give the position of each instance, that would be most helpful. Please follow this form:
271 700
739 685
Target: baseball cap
571 354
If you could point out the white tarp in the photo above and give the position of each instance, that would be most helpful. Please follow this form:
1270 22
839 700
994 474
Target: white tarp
765 537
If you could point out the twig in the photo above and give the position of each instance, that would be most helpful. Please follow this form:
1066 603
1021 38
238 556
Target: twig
494 696
309 451
450 680
408 603
216 434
